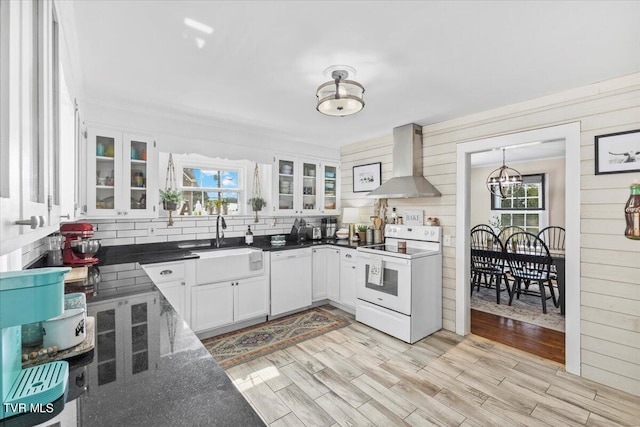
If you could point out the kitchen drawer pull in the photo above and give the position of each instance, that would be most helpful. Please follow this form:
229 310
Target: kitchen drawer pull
165 272
348 256
182 283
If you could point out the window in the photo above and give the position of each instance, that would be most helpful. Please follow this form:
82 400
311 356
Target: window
208 184
526 206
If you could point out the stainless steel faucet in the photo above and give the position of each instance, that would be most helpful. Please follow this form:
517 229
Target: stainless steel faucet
220 233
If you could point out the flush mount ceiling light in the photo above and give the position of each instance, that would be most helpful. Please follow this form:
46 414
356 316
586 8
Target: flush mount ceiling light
340 97
504 181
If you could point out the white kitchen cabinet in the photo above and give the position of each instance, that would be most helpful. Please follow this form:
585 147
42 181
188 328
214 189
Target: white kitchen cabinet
326 274
348 277
174 279
251 298
305 186
329 187
127 340
211 306
220 304
121 174
31 180
291 272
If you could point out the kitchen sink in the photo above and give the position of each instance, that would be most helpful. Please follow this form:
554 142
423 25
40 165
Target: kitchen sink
225 264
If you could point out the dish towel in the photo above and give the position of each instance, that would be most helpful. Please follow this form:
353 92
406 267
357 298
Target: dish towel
375 270
255 260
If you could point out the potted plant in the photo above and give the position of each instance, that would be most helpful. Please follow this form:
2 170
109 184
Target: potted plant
362 232
225 206
257 203
217 207
170 198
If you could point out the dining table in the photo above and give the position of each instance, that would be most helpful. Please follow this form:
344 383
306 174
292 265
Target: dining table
557 260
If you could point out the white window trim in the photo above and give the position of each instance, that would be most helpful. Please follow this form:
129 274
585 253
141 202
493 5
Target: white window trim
183 161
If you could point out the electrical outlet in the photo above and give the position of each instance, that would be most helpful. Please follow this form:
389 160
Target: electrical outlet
151 230
447 240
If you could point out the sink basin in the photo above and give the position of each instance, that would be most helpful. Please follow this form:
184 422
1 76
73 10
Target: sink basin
216 253
227 264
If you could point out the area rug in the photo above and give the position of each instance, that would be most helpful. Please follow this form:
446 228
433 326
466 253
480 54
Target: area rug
246 344
526 309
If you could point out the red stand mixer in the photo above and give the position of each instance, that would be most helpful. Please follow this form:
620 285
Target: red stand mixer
79 248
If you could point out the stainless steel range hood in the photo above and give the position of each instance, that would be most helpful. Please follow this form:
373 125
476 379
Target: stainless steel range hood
407 178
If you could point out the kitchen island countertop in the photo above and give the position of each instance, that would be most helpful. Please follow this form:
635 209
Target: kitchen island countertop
153 371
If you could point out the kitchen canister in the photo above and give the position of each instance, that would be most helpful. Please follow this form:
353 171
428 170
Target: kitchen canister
369 235
377 236
65 331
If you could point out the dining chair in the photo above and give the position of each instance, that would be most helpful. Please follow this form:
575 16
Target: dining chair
482 227
507 232
553 236
530 263
487 261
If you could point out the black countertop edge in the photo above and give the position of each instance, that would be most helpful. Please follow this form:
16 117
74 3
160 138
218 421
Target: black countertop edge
151 253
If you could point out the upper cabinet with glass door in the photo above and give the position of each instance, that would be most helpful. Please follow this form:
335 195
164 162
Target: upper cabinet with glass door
121 174
329 188
303 186
295 186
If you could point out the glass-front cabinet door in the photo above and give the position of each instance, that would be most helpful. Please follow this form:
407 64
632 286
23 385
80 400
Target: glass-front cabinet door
121 174
285 185
296 186
330 188
104 172
310 193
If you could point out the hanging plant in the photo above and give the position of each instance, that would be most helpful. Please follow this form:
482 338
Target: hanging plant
170 197
256 201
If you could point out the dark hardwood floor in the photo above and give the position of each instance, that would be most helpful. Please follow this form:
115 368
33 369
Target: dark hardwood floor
533 339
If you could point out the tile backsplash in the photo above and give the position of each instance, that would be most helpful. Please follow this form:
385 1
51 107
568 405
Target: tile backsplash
113 232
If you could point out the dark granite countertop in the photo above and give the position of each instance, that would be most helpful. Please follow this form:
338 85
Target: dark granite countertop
150 253
150 371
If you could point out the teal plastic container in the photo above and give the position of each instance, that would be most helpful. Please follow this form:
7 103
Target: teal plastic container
29 296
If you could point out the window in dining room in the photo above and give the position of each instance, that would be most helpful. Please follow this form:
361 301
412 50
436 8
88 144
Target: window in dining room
526 207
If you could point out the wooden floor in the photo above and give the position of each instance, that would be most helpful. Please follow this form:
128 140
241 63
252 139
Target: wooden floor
533 339
357 376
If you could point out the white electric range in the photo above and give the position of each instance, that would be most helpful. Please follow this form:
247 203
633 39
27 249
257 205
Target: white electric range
407 302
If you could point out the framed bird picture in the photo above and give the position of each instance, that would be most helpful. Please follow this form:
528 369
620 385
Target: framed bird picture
618 152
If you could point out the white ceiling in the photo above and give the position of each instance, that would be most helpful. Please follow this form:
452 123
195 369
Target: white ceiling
420 62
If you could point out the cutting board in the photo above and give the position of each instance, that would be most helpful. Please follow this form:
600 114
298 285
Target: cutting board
77 274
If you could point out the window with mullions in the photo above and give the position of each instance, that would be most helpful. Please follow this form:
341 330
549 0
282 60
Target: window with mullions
208 185
525 208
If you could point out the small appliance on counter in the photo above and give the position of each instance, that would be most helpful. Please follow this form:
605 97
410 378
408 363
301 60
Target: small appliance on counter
328 227
79 248
314 233
29 296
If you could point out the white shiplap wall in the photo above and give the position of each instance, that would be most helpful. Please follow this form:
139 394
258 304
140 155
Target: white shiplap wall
610 264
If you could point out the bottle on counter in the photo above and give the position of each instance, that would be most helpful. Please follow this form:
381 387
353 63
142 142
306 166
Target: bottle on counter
632 213
248 236
394 216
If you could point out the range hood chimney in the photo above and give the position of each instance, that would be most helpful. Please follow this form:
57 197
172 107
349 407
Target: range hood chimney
407 178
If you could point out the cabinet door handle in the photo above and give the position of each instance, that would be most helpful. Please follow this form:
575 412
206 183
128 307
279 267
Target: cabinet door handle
165 272
182 283
348 256
32 222
126 213
353 266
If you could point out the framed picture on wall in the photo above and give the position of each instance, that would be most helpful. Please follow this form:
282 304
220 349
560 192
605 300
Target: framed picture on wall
366 177
618 152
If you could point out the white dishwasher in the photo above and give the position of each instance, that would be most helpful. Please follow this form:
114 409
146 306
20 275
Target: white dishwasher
290 280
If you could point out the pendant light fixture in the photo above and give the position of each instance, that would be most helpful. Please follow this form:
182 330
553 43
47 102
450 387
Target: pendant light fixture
504 181
340 97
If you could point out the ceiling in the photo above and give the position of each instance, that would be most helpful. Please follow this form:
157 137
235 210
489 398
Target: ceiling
421 62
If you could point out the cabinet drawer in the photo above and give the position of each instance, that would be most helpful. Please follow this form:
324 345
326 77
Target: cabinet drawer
166 272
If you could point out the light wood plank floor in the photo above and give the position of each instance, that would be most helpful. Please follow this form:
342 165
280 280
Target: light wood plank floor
357 376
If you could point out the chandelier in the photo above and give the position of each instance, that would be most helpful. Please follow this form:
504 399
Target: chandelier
504 181
340 97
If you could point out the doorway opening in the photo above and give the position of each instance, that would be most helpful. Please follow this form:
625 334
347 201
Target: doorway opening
569 137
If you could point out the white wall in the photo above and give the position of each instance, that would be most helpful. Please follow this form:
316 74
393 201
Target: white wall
610 266
554 169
